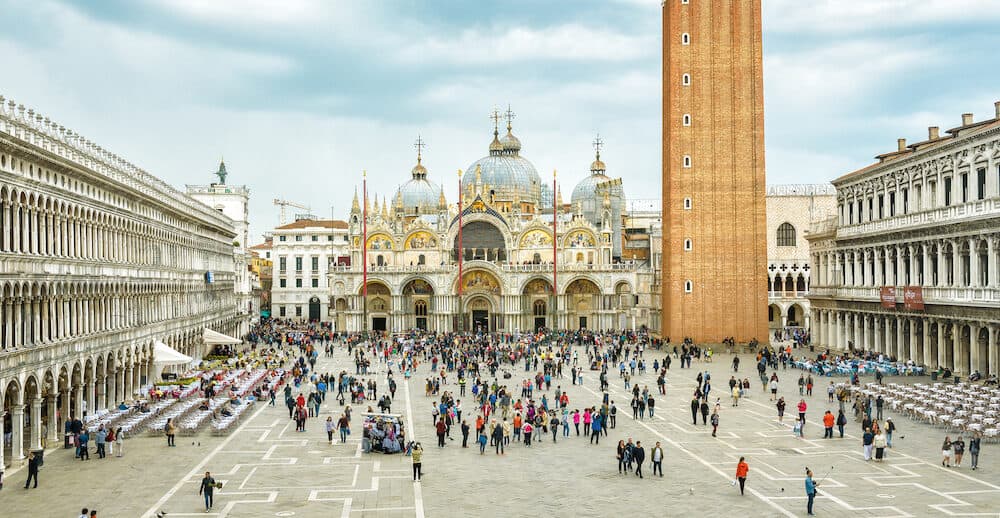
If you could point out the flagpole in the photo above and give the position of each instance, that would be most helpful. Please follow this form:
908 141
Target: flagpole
555 254
461 315
364 252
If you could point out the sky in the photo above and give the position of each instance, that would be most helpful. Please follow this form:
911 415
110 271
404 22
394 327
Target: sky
300 96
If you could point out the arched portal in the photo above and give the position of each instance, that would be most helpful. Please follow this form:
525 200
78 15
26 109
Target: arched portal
481 241
795 315
480 310
379 306
581 302
417 297
535 301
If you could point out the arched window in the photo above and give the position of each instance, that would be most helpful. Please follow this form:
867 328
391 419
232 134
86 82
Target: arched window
539 309
688 286
686 119
685 39
421 260
786 235
420 308
686 80
687 245
687 160
380 261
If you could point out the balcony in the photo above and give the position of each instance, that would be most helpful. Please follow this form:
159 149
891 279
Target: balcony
942 295
977 209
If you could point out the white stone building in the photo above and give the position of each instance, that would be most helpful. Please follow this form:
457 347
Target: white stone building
99 260
908 266
302 252
233 201
791 209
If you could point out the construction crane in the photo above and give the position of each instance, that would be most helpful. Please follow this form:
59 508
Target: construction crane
286 203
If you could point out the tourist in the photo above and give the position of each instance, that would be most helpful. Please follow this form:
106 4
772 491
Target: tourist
417 454
32 470
344 425
465 433
879 445
639 456
595 434
84 440
704 411
330 426
742 468
889 428
101 439
119 442
828 422
946 452
620 454
656 454
841 422
695 405
208 486
802 414
974 449
958 446
715 422
810 491
867 442
441 429
781 409
169 429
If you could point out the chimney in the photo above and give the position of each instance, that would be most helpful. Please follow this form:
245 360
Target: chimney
932 133
901 142
966 119
996 106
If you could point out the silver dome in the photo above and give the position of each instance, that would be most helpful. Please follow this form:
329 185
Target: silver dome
419 195
507 174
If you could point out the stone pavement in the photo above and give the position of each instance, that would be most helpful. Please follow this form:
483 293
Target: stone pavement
270 470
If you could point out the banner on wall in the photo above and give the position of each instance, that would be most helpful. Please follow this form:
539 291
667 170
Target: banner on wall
913 298
888 296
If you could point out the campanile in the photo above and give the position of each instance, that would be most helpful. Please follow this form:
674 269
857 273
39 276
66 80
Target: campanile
714 281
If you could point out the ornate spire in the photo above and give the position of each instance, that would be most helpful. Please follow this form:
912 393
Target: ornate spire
221 173
597 166
442 201
355 206
559 200
385 209
511 145
496 147
419 171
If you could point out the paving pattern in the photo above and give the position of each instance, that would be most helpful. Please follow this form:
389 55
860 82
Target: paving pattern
268 469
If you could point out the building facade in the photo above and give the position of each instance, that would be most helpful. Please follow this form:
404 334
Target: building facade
263 268
486 262
234 202
98 261
302 253
714 225
791 210
908 265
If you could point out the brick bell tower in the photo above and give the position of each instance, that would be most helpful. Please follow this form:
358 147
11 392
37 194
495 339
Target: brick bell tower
714 222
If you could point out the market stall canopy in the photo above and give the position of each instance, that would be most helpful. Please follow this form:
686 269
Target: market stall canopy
165 355
217 338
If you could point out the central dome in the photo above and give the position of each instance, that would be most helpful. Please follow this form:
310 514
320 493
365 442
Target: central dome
419 195
509 175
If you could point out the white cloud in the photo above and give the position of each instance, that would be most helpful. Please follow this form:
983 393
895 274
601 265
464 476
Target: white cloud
838 16
564 42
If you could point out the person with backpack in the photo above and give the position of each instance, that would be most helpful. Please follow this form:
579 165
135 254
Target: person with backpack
841 422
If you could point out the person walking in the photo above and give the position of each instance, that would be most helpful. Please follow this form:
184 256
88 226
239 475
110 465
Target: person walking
742 468
958 446
974 449
465 433
638 455
620 455
102 441
802 417
828 422
695 405
170 430
119 443
32 470
656 455
330 426
946 452
810 491
595 434
344 425
879 446
867 442
736 395
704 411
841 422
207 488
715 422
780 405
889 428
417 453
441 429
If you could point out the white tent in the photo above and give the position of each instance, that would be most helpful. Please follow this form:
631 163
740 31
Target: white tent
164 355
216 338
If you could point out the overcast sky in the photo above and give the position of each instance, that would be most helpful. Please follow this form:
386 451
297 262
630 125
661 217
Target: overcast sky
300 96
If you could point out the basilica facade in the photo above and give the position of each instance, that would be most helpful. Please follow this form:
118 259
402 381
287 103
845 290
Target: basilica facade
507 255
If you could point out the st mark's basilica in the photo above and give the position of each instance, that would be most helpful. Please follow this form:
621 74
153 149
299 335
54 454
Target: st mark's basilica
507 255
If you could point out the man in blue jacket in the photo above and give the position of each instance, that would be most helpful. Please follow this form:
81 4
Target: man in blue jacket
810 490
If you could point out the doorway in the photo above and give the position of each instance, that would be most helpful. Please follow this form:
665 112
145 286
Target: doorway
422 323
378 323
583 322
314 309
481 320
539 323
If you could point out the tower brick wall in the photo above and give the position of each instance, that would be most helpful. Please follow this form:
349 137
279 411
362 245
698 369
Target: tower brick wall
717 44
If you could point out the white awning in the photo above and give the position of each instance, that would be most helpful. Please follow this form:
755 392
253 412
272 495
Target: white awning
163 354
217 338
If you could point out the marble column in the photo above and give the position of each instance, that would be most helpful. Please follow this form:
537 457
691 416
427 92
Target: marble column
900 350
35 442
974 346
925 338
17 431
957 358
941 347
916 353
887 347
992 348
78 402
